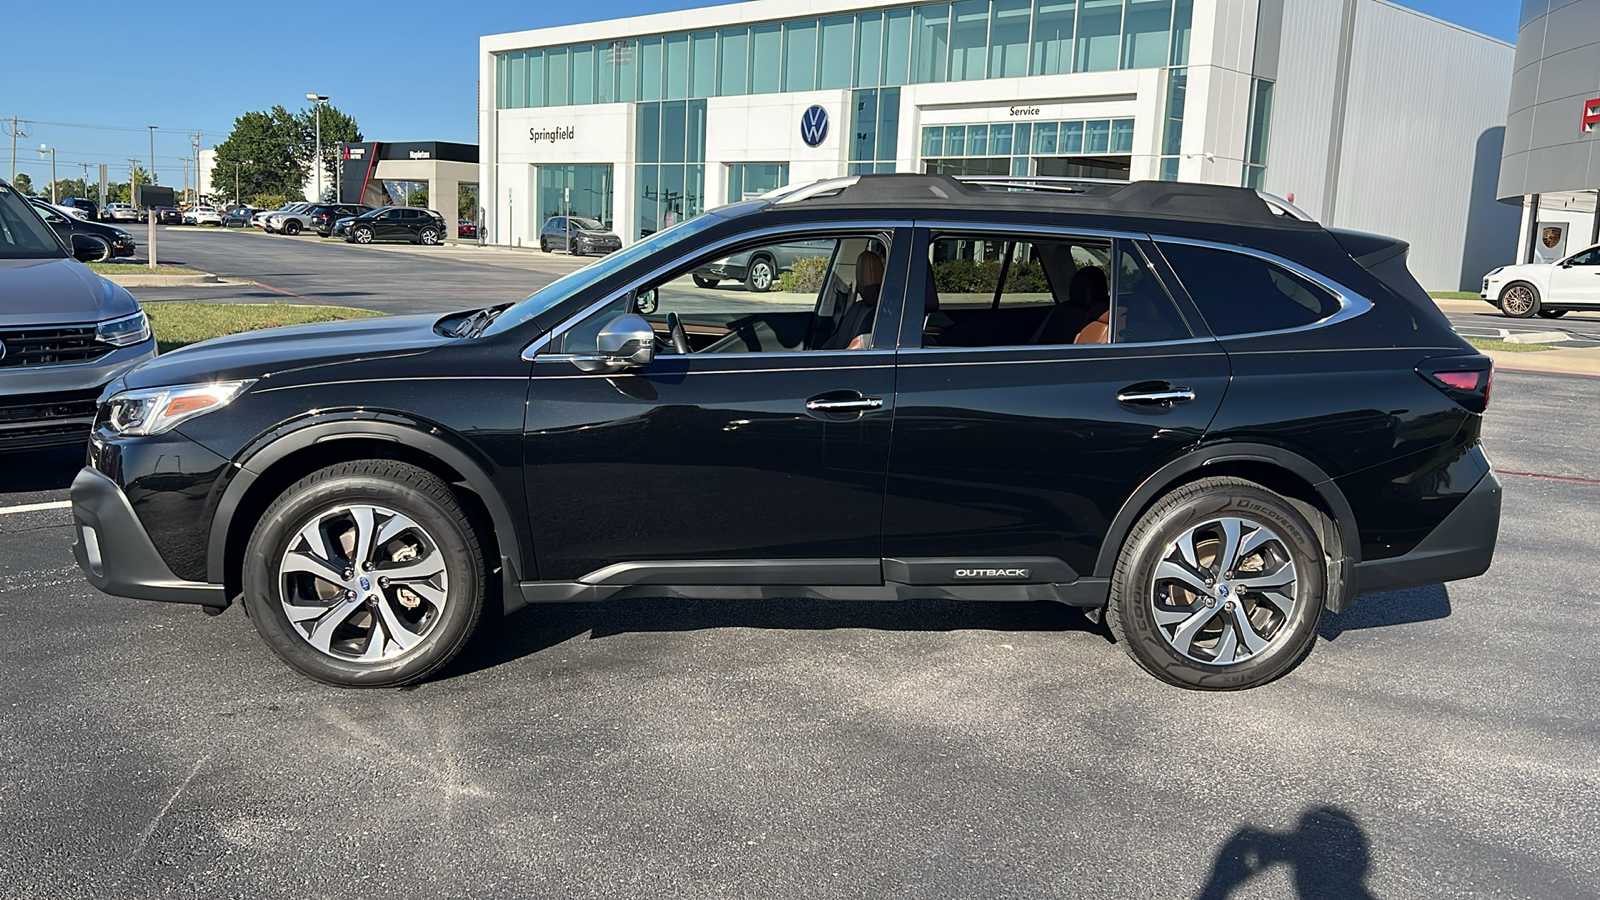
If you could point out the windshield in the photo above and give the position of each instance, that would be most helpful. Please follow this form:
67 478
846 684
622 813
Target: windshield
587 224
568 285
22 234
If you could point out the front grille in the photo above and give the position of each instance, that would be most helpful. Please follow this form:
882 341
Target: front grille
29 419
50 346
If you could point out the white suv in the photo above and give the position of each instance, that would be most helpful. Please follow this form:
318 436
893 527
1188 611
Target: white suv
1548 290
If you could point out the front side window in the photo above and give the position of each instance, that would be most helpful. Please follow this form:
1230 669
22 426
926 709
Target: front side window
782 297
1242 294
1589 257
22 235
996 291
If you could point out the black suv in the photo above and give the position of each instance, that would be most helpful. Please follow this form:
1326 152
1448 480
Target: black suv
1182 407
323 216
396 223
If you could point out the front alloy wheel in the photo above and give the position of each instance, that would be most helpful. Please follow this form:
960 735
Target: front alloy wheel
428 237
760 276
1519 301
363 235
366 573
1220 586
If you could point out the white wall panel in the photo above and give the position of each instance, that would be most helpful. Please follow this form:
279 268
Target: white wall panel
1424 126
1303 99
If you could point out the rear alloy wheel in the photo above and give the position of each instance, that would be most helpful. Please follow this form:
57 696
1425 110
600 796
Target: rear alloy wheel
760 276
1220 586
1519 300
428 237
365 574
1551 313
291 228
363 235
544 245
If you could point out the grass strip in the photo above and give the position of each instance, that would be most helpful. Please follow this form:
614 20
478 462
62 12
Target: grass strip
1454 295
182 322
1507 346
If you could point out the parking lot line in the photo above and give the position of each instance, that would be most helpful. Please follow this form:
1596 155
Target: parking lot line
34 507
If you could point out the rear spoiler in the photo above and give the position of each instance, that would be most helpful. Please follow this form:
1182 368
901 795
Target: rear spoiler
1368 249
1385 258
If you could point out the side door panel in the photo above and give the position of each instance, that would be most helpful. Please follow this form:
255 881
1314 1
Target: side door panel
1026 451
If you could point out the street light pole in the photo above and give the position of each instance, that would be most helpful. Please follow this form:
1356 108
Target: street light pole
318 100
43 149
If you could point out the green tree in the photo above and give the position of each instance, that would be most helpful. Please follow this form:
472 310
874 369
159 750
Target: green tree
121 192
66 187
262 152
23 183
337 126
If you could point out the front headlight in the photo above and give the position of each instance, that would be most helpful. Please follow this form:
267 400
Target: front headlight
124 332
1495 271
159 410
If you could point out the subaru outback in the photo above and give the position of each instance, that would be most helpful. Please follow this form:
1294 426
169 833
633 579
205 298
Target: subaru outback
1187 409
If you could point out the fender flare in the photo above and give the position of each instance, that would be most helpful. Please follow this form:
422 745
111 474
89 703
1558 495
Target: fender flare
1163 479
420 436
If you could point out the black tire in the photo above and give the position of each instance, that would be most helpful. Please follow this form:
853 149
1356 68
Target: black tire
401 488
1519 300
761 275
544 245
291 227
707 283
362 235
1551 313
1136 591
428 237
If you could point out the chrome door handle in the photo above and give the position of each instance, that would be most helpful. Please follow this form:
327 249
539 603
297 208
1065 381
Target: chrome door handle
1165 398
836 405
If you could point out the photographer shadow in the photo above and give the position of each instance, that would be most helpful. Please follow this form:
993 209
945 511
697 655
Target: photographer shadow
1382 610
1327 854
35 471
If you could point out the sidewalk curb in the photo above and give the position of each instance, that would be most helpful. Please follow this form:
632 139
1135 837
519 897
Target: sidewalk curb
141 280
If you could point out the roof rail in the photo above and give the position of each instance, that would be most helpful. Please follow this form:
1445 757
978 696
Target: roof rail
1283 207
1040 182
795 194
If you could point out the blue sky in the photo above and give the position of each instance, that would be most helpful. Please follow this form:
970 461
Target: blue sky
414 78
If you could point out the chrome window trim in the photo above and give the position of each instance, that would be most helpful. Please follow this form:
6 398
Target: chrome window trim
1351 303
1021 230
530 352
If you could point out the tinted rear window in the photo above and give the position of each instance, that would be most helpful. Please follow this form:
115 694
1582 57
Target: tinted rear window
1241 294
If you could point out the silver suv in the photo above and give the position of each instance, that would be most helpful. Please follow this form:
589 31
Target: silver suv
65 332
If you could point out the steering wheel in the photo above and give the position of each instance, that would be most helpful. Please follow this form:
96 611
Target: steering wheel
680 338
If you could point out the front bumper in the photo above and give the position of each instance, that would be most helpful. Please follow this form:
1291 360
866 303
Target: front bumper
116 554
47 406
1462 546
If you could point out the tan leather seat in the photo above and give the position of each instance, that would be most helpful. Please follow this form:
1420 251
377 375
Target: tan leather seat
856 323
1095 332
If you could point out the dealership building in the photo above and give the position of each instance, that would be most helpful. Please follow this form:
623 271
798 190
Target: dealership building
1366 114
1551 163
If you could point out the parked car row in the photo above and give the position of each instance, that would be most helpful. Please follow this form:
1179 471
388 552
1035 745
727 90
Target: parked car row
356 223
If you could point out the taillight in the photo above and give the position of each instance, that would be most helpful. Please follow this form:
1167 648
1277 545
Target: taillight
1465 379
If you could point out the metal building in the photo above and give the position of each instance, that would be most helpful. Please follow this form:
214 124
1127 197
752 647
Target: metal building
1552 148
1371 115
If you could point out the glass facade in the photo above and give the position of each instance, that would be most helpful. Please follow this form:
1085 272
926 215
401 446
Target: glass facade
1172 122
578 190
1255 146
874 130
749 180
670 177
1080 148
930 43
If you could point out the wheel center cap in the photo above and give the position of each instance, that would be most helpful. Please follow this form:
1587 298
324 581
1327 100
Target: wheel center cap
366 583
1222 591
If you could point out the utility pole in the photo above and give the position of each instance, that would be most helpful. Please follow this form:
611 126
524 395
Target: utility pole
152 154
17 130
194 138
318 100
133 178
43 149
236 182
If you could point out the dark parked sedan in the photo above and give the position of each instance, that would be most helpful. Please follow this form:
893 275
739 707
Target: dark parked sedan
577 235
166 215
238 217
395 223
116 241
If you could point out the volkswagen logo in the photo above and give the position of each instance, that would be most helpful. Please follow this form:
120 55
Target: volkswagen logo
814 126
366 583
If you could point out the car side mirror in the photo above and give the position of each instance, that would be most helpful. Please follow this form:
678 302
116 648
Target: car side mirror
86 248
626 342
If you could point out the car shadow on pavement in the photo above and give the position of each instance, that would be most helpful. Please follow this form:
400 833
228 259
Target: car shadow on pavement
1327 854
536 628
1418 604
28 471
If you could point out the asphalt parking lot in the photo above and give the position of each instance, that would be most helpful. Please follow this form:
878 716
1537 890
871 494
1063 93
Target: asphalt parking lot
1438 742
1573 331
